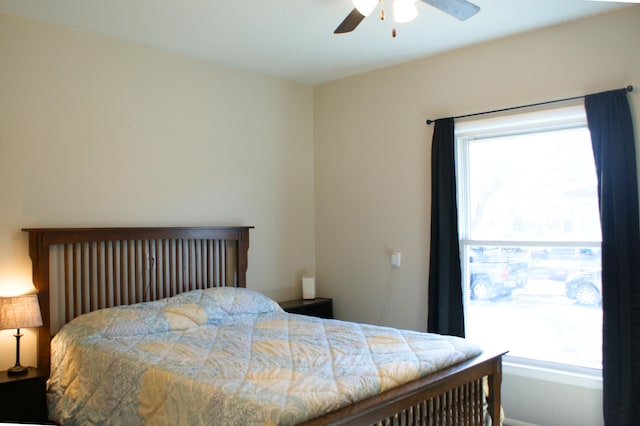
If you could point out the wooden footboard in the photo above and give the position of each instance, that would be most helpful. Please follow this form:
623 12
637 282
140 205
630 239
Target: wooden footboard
453 396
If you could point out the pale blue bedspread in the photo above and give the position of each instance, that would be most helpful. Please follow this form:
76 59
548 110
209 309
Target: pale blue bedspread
227 357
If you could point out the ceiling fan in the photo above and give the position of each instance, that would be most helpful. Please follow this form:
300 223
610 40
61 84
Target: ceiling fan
404 11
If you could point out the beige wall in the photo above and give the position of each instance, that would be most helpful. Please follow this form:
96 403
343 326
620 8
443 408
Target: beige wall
97 132
372 162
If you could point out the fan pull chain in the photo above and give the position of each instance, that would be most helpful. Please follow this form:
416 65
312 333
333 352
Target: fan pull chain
382 16
393 28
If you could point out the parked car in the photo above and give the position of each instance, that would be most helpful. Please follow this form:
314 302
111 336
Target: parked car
556 263
489 280
585 287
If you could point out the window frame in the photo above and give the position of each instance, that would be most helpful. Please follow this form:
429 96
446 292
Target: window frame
514 123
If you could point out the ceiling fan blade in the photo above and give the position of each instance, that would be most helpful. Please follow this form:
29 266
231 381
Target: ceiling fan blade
350 22
461 9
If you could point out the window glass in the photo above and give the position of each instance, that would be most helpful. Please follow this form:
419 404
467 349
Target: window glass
530 240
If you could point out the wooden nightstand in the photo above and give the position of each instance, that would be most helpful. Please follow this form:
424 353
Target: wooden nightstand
23 398
319 307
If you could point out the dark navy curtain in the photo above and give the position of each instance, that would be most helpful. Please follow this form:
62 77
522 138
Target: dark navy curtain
446 315
611 127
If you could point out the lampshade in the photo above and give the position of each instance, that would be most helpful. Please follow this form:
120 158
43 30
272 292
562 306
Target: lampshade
365 6
20 312
404 10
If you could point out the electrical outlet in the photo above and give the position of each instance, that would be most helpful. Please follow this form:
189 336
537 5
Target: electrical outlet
395 259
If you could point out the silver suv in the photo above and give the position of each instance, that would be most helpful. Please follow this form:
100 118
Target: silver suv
496 271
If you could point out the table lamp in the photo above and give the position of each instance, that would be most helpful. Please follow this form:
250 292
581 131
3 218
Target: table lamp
19 312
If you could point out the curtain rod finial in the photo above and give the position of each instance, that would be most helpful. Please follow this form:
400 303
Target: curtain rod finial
629 88
429 121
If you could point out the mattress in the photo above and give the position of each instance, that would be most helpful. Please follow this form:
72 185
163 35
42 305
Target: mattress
228 356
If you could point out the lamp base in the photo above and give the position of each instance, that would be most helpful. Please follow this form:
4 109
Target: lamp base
17 370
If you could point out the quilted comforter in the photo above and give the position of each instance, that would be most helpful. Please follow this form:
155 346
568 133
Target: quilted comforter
226 357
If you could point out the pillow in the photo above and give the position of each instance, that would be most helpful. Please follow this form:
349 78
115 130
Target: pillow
145 319
131 320
222 302
185 316
180 312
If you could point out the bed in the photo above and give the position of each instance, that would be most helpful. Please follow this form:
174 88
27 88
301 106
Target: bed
114 274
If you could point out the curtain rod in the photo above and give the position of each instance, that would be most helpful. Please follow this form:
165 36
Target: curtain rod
429 121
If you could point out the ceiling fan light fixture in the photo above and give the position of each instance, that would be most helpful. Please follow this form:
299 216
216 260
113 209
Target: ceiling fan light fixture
365 7
404 10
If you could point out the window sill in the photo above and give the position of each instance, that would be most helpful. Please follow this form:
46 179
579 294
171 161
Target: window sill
556 373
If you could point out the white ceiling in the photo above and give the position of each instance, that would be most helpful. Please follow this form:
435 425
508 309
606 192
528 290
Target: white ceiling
294 38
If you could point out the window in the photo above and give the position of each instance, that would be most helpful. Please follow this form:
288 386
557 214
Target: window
530 236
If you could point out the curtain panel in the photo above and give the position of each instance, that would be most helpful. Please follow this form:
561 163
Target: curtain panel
611 127
446 314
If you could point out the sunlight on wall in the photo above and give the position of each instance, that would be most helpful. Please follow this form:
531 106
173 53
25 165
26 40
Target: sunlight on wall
14 285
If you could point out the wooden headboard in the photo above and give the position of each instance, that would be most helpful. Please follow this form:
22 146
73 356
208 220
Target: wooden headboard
79 270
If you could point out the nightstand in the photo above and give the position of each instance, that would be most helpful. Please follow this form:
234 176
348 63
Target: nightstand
319 307
23 398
